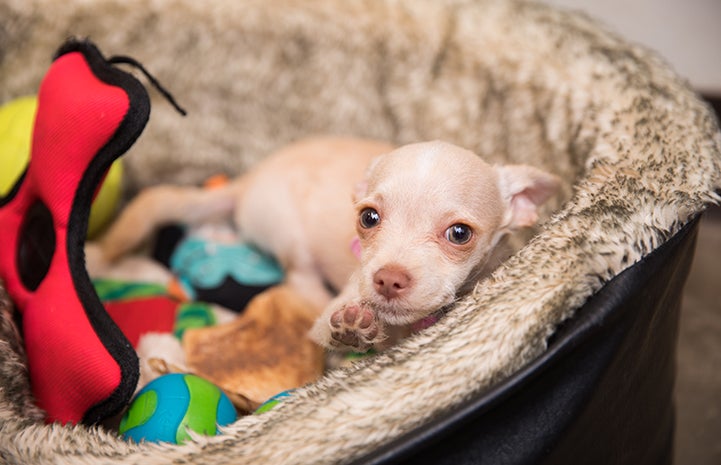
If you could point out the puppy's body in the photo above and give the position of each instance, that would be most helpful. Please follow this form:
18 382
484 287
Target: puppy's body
297 204
426 217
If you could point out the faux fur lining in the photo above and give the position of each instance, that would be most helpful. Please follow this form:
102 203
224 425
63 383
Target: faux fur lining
514 81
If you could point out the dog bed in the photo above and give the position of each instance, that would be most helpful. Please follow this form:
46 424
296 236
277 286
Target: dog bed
564 355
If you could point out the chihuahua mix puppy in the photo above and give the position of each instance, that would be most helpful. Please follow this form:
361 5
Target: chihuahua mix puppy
400 233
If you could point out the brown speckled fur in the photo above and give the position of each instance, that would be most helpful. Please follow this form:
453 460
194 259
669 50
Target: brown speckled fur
514 81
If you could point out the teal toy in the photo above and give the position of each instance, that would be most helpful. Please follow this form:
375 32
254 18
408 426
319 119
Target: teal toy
210 267
167 407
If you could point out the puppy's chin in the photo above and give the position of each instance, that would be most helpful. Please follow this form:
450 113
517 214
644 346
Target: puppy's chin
405 311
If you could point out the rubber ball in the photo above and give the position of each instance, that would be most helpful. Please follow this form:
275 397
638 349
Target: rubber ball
167 407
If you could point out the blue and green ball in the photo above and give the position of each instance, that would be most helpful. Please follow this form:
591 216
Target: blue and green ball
167 407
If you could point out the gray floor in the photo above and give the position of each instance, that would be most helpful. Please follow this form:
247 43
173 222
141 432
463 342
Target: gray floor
698 386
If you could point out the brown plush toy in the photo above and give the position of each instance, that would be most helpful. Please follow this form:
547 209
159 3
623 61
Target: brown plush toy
261 353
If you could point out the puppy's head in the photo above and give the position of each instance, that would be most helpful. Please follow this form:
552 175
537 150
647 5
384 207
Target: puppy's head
429 215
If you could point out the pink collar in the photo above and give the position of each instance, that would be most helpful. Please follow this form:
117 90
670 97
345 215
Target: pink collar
424 323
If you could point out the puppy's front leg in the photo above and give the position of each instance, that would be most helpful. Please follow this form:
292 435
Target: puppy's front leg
348 324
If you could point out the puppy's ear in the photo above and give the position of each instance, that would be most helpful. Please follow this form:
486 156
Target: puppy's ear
524 189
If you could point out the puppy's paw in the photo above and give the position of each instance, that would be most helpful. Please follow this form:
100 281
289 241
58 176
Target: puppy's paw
355 327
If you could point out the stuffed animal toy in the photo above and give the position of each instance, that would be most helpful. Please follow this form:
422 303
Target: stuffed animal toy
139 308
82 368
262 352
212 264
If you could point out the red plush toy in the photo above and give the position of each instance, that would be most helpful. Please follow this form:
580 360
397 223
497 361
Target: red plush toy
82 368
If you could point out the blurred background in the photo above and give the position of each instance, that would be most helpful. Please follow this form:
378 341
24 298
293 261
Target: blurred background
688 35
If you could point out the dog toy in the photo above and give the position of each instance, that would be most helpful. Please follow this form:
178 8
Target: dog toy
226 274
141 308
263 351
81 366
16 126
167 407
212 264
89 112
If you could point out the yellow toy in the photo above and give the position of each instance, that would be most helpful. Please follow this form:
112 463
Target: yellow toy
16 125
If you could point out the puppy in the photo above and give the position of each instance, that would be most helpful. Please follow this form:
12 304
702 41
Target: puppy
401 233
429 218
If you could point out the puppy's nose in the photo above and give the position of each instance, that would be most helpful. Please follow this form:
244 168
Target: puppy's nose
391 281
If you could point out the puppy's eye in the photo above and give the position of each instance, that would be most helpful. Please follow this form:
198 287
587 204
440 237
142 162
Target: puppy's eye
459 234
369 218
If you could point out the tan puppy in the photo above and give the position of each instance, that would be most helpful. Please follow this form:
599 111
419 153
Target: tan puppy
426 219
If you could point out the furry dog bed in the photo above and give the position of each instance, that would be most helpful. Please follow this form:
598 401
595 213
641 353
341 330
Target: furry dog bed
513 81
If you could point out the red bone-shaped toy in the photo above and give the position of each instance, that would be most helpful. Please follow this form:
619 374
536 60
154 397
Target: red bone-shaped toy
89 113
